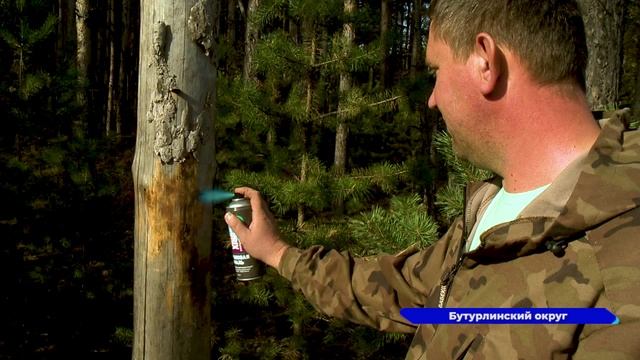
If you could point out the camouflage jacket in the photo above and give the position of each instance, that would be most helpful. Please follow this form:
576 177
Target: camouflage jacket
576 245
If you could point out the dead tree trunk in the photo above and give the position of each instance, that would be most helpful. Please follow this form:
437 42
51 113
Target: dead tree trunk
174 161
603 24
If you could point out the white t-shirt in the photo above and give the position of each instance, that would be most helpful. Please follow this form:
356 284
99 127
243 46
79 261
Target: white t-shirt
504 207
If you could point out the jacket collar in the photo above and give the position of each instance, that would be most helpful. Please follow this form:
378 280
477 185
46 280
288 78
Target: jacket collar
598 186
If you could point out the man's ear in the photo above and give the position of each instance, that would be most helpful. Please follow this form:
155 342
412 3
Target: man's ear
485 63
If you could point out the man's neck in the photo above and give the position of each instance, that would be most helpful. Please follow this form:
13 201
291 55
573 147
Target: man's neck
544 138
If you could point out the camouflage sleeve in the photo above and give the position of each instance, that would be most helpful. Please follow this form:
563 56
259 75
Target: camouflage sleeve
370 290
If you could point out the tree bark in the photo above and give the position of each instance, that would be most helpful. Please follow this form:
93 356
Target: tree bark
385 20
83 59
125 35
416 48
302 126
603 24
342 130
174 161
404 20
232 7
250 39
112 90
66 33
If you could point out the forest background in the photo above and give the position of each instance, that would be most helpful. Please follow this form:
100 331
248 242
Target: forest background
320 105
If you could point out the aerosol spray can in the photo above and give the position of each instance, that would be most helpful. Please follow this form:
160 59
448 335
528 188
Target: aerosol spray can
247 268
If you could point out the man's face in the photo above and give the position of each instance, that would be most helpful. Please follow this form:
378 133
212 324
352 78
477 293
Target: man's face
458 101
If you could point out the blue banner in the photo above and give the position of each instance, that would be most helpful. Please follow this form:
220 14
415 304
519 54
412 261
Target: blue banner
510 316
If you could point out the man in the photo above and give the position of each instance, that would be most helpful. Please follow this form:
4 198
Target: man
559 227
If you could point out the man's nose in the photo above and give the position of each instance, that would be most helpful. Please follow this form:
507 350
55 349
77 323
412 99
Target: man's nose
431 102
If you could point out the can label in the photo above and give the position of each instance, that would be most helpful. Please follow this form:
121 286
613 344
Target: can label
247 268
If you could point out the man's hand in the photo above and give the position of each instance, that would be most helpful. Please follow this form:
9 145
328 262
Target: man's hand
261 239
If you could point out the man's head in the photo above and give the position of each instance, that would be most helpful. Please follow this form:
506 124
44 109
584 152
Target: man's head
547 35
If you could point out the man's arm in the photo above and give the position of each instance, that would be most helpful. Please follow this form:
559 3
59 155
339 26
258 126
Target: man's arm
368 291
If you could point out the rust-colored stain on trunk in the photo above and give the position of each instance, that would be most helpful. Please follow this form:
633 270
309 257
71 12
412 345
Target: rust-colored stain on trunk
172 208
174 216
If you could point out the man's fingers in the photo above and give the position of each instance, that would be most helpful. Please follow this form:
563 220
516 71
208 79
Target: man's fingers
253 195
235 224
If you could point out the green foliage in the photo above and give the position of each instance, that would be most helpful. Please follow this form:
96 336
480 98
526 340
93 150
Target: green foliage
281 124
67 217
278 56
461 171
404 223
321 187
70 201
123 336
23 38
34 83
450 199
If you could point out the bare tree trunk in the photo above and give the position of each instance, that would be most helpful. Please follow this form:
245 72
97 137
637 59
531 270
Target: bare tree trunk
250 39
99 70
125 35
174 161
416 48
631 55
302 134
83 59
251 36
405 25
111 89
603 25
385 20
66 31
232 6
342 130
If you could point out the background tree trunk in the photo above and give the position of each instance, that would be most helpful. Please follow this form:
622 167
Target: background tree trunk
604 28
385 20
66 23
301 131
232 7
250 39
112 90
174 161
83 59
125 37
416 37
342 130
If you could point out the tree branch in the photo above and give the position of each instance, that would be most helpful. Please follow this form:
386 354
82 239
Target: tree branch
371 105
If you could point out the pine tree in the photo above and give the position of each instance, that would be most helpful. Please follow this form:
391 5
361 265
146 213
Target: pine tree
22 40
276 133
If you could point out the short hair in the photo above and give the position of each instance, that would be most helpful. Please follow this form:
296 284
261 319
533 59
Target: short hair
547 35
